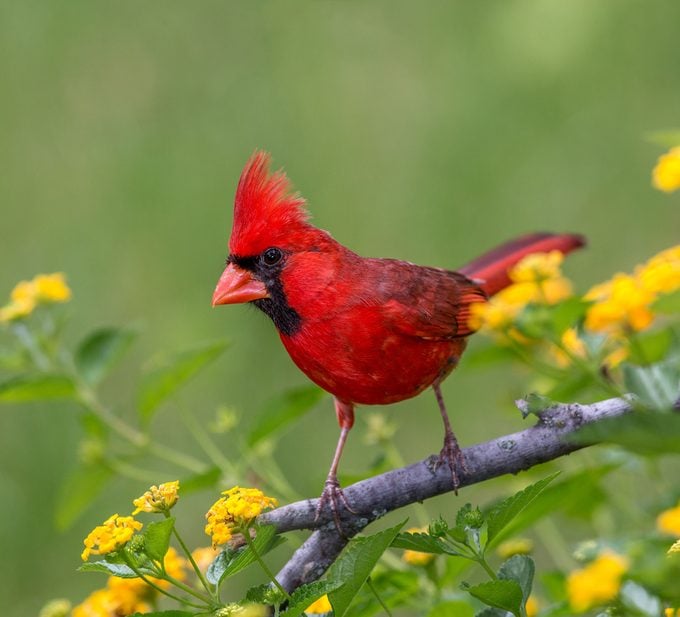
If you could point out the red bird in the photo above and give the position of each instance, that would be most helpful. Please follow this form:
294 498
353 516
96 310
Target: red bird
369 331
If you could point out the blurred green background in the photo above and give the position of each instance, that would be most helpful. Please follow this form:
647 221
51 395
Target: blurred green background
428 132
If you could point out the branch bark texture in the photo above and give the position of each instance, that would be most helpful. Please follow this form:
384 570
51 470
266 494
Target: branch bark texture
376 496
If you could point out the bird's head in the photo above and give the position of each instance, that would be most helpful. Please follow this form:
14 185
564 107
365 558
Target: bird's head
270 228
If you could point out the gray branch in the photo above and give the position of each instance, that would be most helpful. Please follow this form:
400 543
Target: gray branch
372 498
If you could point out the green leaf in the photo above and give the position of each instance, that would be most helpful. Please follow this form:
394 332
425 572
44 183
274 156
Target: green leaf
651 347
162 382
668 303
170 613
231 561
305 595
645 433
421 542
451 608
283 410
113 569
505 511
79 491
657 385
157 538
355 565
28 388
521 569
503 594
535 403
565 314
100 351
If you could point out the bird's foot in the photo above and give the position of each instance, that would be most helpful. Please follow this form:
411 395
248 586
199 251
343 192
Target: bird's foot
333 494
452 455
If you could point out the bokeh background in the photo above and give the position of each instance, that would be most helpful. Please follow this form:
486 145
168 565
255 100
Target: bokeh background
428 132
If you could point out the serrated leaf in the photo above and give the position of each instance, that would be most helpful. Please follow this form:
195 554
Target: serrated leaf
157 538
100 351
230 561
451 608
645 433
41 387
569 494
421 542
657 385
258 593
79 490
283 410
113 569
171 613
303 596
521 569
162 382
505 511
355 565
506 595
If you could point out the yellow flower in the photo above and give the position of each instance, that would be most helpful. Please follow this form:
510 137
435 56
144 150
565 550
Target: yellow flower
26 295
622 304
661 274
417 558
158 498
536 279
573 345
516 546
51 288
671 612
532 606
666 174
115 532
537 267
669 521
122 596
16 310
320 606
235 511
596 583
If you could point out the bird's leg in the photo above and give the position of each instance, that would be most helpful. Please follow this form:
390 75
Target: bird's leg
331 490
451 452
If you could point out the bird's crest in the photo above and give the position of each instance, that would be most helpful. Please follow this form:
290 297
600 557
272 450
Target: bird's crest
266 211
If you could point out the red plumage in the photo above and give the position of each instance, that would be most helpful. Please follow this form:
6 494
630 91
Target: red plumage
369 331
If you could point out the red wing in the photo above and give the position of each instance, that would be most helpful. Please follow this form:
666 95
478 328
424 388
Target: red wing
427 302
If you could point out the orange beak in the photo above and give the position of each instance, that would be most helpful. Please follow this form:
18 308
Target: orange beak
237 285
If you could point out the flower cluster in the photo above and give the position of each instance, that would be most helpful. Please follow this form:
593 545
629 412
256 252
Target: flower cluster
121 596
235 511
666 174
537 279
27 295
115 532
596 583
158 498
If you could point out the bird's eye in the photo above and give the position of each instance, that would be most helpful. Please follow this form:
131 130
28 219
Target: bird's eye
272 256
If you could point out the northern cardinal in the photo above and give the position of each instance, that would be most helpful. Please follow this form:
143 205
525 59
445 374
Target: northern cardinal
369 331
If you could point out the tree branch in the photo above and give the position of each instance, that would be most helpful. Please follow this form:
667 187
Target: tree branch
375 497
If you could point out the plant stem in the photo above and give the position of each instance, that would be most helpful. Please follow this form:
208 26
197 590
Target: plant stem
27 339
194 565
482 562
208 445
263 565
158 588
369 582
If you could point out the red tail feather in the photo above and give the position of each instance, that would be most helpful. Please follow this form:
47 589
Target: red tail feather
492 267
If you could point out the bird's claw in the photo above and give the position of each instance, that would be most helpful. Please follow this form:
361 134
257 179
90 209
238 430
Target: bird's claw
331 495
452 455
